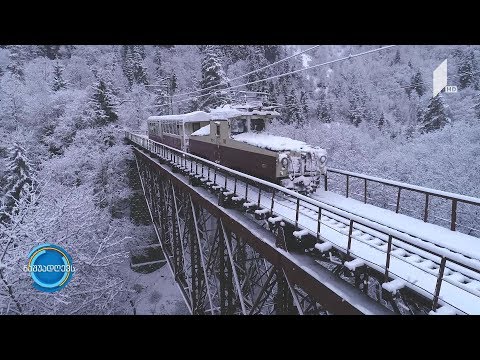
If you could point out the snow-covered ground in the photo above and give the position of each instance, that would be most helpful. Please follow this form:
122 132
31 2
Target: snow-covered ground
155 293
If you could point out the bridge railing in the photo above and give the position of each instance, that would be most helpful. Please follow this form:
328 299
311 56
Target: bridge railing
427 193
273 192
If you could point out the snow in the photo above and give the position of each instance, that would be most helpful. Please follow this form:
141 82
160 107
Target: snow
394 285
203 131
221 113
277 143
354 264
324 247
229 112
262 211
301 233
195 116
156 292
448 240
443 310
275 219
225 112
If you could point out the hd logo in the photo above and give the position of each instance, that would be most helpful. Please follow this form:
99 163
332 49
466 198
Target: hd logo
440 80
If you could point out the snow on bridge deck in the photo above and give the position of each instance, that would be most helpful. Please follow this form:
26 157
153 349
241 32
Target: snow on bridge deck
453 240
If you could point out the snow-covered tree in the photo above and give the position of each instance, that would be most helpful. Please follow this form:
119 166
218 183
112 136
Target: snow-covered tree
396 59
467 71
58 82
18 175
293 110
357 111
304 110
436 115
103 103
16 61
417 84
133 65
69 217
381 121
214 80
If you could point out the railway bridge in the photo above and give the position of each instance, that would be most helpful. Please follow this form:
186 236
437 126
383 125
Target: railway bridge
236 244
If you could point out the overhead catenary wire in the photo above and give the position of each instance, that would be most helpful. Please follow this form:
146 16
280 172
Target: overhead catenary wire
246 74
283 74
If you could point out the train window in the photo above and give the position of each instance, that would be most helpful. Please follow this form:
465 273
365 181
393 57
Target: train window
195 127
178 129
218 129
257 124
238 126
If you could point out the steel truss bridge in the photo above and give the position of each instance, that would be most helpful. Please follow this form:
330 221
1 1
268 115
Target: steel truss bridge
236 244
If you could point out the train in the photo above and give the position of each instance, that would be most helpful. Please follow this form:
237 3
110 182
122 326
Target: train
237 136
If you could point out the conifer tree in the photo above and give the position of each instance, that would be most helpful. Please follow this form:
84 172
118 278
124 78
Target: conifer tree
303 107
417 84
466 71
103 103
132 64
18 175
213 76
435 116
58 81
16 62
396 59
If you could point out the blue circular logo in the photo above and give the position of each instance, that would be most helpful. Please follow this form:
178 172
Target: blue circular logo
50 266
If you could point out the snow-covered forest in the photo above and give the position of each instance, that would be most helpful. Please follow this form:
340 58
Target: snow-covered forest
65 170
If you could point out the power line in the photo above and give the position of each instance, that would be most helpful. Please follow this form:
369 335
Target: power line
249 73
287 73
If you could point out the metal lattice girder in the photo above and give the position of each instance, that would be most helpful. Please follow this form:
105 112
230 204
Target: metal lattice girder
225 263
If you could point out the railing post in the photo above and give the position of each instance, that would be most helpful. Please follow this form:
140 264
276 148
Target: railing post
425 214
319 220
259 194
389 250
365 191
348 180
297 212
398 200
350 230
273 201
453 222
235 186
246 190
439 283
325 177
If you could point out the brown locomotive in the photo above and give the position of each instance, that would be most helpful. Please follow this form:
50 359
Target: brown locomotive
237 137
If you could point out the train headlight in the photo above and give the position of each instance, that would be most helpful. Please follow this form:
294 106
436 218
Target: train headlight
323 159
284 162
